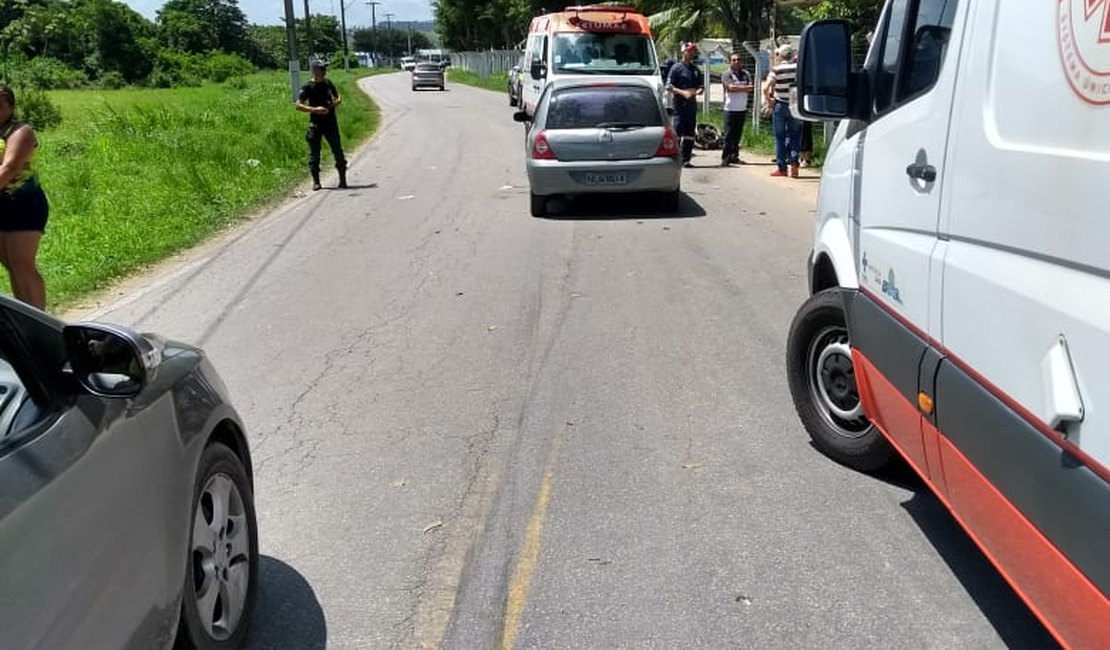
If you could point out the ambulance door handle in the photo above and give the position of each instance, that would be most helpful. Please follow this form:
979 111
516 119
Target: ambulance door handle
1063 399
922 171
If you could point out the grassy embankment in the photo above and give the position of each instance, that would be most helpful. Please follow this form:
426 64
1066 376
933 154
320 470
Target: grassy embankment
761 144
136 175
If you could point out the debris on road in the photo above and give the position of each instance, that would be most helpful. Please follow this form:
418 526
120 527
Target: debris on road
433 526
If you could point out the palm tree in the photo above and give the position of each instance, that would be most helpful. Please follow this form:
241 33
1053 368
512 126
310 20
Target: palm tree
673 21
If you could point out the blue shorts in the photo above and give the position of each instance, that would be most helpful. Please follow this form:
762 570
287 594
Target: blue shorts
23 211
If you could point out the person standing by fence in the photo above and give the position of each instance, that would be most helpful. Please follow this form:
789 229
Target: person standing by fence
23 206
687 83
319 98
738 85
787 130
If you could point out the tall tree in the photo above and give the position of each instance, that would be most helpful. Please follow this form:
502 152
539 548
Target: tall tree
862 14
94 36
481 24
678 20
202 25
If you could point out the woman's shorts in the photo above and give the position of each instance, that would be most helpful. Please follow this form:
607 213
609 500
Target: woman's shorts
26 210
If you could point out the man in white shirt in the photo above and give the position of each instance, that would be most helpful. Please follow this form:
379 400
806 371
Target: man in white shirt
738 85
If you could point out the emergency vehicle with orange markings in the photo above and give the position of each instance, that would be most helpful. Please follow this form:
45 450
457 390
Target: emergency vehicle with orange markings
959 314
588 40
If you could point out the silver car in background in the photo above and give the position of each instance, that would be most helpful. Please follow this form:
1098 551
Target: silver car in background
601 135
126 492
427 75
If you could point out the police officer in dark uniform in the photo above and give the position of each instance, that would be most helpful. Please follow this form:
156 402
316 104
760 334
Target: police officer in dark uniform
319 98
687 83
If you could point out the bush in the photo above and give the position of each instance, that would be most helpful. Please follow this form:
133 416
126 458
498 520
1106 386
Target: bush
221 66
336 62
111 80
174 69
45 73
34 106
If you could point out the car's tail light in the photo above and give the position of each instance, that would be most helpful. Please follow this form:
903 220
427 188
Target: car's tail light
669 145
541 149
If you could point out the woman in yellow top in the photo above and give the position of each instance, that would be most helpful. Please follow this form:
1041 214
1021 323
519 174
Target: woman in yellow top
23 207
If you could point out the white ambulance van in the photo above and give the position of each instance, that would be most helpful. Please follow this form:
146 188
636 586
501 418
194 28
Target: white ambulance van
588 40
960 279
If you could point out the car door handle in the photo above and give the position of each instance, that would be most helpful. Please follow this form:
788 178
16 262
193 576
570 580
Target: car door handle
922 171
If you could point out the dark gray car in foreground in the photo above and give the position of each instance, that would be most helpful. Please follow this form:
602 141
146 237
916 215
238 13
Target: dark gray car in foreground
126 500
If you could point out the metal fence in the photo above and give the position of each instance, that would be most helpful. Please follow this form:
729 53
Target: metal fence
487 63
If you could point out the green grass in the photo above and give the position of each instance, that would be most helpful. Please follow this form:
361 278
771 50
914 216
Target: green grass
136 175
498 82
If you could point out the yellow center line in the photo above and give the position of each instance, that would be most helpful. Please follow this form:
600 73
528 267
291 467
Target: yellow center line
529 558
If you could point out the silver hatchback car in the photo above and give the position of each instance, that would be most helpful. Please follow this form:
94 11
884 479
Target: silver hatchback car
427 75
126 493
601 135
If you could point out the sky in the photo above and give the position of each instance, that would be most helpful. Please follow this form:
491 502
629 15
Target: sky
272 12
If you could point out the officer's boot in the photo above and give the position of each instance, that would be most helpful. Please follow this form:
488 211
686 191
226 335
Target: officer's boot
343 178
315 179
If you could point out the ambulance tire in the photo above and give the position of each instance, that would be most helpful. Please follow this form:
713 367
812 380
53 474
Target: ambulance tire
823 385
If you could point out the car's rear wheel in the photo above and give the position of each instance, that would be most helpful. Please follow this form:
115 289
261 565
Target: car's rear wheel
823 384
671 201
221 581
538 204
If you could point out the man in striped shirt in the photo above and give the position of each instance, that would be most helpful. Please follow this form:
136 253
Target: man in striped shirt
787 130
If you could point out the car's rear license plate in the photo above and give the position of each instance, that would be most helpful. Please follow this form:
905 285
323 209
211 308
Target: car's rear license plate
619 178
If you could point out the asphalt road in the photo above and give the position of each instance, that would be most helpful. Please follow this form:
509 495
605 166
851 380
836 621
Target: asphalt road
474 428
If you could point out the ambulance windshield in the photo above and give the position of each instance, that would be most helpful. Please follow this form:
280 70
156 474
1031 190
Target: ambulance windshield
604 53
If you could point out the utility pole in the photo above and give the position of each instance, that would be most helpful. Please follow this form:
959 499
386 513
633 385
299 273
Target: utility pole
343 27
389 29
373 32
308 31
291 36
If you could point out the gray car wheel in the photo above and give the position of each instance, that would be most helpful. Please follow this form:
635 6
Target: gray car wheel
221 583
671 201
538 204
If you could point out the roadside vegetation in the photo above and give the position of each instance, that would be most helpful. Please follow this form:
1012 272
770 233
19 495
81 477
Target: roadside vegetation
497 82
136 175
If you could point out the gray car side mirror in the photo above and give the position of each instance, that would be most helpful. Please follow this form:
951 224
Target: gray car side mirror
110 361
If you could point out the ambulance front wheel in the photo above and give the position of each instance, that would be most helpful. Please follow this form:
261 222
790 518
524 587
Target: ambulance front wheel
823 385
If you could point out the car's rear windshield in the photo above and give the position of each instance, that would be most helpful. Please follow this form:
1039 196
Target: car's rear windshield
589 53
583 107
427 67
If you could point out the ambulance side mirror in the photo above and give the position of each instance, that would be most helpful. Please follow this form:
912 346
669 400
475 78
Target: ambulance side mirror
538 71
825 79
